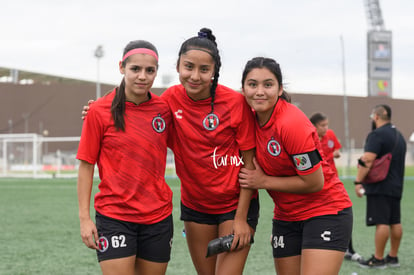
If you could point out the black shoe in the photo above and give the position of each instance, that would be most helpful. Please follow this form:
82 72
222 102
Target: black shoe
373 263
392 261
348 255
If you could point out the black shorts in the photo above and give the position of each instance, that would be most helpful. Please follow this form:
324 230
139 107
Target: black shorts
383 210
191 215
330 232
119 239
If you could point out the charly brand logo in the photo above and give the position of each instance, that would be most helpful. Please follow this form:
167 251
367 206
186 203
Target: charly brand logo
158 124
273 147
225 160
210 122
326 236
178 114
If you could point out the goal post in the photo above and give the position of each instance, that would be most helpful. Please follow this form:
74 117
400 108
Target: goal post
22 155
37 156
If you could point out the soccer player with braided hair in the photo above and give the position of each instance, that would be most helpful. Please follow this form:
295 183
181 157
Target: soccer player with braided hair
213 138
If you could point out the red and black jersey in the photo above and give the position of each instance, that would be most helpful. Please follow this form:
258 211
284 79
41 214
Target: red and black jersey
131 163
329 144
207 147
288 145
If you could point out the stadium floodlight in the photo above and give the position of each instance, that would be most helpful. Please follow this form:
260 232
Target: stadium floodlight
99 53
374 14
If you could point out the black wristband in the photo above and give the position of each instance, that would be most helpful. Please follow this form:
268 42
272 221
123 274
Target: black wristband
357 182
362 163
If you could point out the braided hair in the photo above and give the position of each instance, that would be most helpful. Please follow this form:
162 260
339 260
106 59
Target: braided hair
207 41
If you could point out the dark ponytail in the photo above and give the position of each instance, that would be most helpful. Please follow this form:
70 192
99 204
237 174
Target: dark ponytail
118 103
207 41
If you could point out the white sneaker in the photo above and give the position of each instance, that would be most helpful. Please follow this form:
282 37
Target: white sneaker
356 257
352 256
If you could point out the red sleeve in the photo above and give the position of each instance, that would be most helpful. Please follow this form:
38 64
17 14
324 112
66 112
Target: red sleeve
337 144
91 137
300 139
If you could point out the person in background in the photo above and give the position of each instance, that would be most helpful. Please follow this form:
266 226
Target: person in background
312 222
125 133
331 150
330 144
384 197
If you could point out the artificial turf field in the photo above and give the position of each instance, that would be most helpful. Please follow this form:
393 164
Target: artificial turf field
39 231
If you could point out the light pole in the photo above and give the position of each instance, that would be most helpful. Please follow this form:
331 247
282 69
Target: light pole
99 53
45 134
346 123
10 126
26 117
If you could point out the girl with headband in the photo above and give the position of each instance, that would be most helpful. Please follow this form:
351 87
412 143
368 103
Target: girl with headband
312 221
126 133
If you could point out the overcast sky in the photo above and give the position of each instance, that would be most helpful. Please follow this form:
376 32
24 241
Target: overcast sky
59 38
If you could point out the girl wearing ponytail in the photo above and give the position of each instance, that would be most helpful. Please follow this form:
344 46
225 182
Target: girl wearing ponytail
125 133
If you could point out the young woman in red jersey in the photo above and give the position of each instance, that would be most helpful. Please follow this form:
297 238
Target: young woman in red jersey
313 216
126 133
212 138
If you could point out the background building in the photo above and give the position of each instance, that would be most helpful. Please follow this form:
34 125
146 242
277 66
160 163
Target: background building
51 106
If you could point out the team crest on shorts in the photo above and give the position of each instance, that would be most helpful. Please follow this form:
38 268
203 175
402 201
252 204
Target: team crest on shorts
103 244
211 121
158 124
273 147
